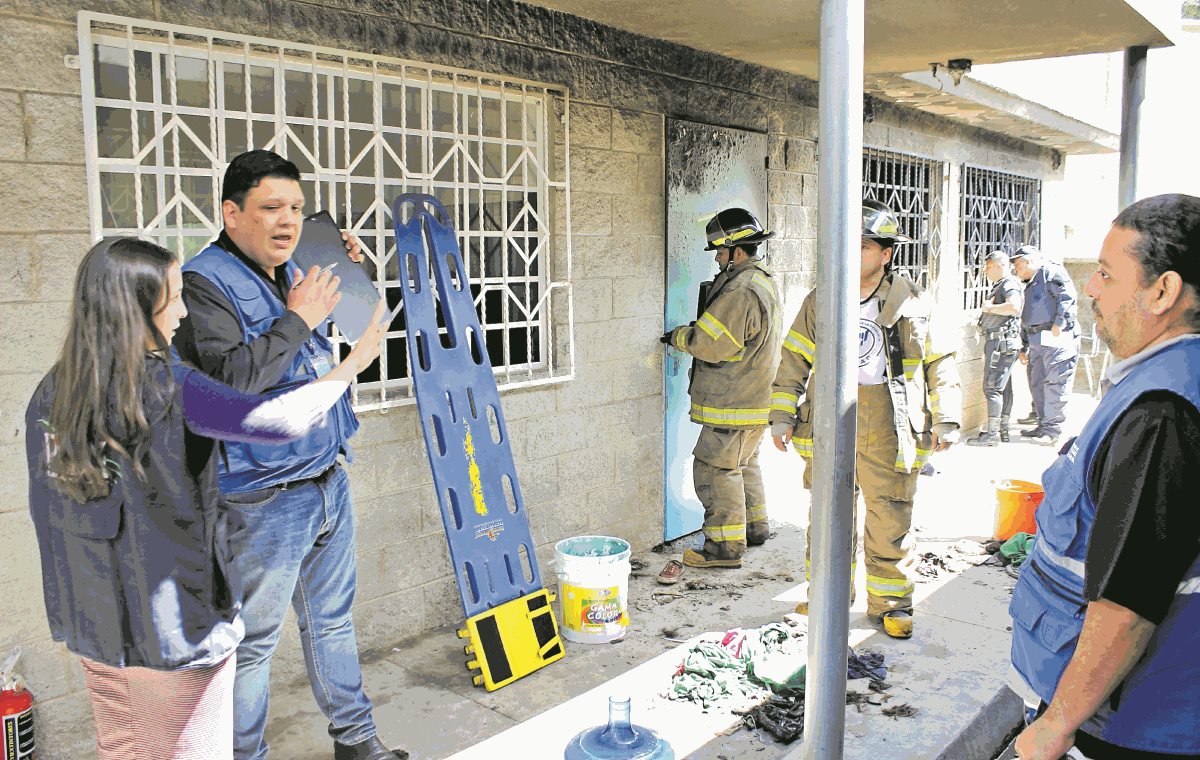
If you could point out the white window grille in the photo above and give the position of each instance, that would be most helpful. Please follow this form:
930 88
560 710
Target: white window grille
911 186
166 107
1000 211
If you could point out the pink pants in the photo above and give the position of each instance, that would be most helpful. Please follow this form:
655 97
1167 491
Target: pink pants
144 714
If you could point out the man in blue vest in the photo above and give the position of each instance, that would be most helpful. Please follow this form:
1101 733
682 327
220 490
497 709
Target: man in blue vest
258 324
1048 319
1106 611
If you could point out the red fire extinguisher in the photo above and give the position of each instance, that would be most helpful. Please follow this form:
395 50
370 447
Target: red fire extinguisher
16 712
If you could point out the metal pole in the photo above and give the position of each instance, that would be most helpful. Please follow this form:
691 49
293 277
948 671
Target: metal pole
839 227
1133 91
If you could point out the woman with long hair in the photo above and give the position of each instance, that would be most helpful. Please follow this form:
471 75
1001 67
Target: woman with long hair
121 440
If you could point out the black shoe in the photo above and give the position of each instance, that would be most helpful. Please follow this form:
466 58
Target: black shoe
1029 419
757 537
371 749
1032 432
1004 434
1044 439
984 439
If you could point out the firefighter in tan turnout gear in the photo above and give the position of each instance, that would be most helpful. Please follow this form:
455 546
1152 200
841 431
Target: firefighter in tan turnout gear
735 345
909 405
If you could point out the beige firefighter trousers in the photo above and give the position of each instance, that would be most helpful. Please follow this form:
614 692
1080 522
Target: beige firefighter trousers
729 485
887 542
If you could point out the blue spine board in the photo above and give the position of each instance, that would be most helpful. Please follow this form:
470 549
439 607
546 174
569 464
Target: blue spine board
454 385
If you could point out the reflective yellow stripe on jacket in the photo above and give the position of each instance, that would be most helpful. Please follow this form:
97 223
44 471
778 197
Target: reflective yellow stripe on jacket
918 463
798 344
713 327
679 339
706 415
784 402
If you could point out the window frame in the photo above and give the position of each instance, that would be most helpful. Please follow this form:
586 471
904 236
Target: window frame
917 260
526 185
1013 232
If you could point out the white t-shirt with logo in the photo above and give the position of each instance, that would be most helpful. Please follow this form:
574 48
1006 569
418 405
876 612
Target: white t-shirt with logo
872 367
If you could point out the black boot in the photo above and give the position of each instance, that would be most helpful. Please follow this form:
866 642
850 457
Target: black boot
985 439
757 533
371 749
990 436
1004 430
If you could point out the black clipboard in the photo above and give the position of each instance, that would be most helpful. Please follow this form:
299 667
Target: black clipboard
321 245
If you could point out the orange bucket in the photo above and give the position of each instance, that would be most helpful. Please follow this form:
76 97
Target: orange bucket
1016 503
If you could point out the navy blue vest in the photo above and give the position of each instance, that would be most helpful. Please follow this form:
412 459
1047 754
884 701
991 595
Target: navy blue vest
248 466
1041 306
1157 707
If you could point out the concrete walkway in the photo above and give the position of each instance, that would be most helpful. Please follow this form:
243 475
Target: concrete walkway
951 672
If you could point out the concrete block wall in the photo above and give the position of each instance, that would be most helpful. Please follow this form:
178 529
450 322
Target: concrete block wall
588 451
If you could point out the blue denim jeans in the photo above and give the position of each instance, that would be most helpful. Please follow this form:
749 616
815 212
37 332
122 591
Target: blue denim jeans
297 543
1052 370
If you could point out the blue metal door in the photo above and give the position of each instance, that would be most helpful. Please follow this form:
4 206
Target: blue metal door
708 168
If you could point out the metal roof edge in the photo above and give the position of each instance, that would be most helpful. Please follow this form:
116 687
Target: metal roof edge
1087 138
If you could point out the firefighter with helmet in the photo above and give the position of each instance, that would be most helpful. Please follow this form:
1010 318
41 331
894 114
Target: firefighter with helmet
909 405
735 350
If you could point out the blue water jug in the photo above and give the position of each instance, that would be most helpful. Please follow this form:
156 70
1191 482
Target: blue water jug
619 740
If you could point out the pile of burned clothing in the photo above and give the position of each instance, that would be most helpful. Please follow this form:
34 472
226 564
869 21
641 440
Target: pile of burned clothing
759 673
741 668
782 714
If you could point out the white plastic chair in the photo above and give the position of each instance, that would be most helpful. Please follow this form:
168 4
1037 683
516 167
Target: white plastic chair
1091 347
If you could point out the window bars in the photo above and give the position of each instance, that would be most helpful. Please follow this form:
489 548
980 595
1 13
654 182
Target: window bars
910 186
166 107
1000 211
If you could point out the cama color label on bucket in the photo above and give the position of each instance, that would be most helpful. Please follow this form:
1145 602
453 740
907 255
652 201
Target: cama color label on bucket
593 609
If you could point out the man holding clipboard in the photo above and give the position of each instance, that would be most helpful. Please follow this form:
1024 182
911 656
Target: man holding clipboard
258 323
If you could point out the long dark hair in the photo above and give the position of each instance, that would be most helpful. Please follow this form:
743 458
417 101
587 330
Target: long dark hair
96 411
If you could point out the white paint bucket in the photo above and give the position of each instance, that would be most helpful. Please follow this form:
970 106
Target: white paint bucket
593 588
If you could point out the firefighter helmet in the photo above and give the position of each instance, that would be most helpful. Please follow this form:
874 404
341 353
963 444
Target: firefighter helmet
879 223
734 226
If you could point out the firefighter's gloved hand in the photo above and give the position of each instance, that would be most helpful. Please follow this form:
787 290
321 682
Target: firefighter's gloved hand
666 337
945 434
781 433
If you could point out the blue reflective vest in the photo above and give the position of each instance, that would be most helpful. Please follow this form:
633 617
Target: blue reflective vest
246 466
1157 707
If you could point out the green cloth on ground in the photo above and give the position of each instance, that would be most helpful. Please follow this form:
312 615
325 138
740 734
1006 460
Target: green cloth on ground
777 658
711 674
751 665
1016 549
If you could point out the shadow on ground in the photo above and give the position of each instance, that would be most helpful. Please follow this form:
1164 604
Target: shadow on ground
950 673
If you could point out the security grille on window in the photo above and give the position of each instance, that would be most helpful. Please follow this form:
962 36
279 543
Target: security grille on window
912 188
1000 211
166 107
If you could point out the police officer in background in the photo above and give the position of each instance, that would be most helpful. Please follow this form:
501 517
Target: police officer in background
1050 327
1000 323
